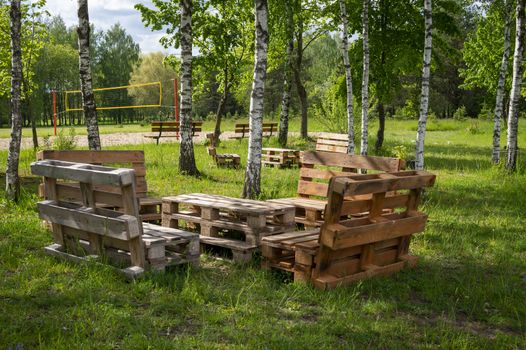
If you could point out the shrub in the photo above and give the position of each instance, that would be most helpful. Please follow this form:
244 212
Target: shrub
474 127
408 111
65 142
460 113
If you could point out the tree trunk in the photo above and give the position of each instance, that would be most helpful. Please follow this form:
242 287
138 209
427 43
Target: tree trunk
499 104
221 108
287 83
513 114
33 125
381 127
302 93
424 97
252 186
86 85
186 155
12 182
348 77
365 80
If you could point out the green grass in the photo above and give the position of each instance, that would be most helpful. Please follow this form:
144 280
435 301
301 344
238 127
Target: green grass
467 291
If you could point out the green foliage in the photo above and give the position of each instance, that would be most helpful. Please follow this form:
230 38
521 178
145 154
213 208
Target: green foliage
65 142
408 111
331 111
460 113
474 127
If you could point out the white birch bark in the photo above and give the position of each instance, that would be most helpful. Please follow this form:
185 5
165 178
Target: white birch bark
424 96
513 115
13 157
365 79
348 76
499 104
287 83
86 82
186 151
252 186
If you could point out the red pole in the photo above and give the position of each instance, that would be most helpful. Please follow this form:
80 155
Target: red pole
54 111
176 104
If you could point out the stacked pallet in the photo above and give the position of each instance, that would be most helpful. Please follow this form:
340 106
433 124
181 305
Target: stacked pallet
235 224
84 230
348 247
280 157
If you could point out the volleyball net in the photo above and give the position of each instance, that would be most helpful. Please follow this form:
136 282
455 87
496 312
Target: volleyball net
145 95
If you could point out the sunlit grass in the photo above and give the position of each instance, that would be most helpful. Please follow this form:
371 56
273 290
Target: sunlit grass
467 291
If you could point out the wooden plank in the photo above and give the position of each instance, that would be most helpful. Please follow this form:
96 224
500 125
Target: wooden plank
94 157
309 188
351 161
120 227
228 243
338 236
97 175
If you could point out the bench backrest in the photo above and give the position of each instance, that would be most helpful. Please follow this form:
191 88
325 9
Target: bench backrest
74 222
269 128
352 244
318 167
173 126
332 143
124 159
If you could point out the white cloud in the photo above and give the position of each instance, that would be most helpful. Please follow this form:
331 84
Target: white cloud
104 13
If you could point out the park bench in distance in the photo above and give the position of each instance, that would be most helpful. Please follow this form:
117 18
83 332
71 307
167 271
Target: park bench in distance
86 231
360 238
172 127
332 143
242 130
316 170
149 208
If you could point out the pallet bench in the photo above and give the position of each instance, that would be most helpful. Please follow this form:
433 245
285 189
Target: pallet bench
86 232
316 170
279 157
332 143
232 223
346 248
242 130
172 128
149 207
222 160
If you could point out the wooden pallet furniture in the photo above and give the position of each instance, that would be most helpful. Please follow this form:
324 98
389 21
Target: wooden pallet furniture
347 248
85 231
232 223
150 207
171 129
222 160
242 130
316 170
279 157
332 143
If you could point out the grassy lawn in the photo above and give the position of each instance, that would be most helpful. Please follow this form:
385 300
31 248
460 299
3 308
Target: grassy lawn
467 291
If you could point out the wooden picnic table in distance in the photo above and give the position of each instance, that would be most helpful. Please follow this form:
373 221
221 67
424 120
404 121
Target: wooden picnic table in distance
232 223
280 157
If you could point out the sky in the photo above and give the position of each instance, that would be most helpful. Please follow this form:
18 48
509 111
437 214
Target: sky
104 13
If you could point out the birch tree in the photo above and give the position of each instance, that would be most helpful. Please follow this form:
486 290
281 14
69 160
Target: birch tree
365 79
348 76
252 186
287 83
424 96
86 83
499 103
186 151
513 115
12 187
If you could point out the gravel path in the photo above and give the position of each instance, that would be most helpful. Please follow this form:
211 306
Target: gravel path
122 139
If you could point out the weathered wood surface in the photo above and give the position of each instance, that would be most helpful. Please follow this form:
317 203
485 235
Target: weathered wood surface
317 168
242 130
348 248
150 208
241 222
225 160
81 228
279 157
337 143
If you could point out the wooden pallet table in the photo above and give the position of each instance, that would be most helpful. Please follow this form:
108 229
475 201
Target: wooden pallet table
279 157
231 223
